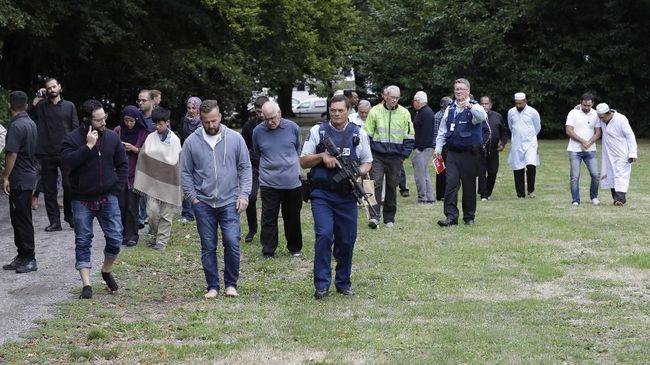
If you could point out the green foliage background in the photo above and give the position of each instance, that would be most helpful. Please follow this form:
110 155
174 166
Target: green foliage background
552 50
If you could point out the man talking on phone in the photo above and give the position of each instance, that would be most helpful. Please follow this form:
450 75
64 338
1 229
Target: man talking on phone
99 170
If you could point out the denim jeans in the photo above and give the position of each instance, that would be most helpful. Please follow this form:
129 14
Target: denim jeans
208 220
591 160
109 219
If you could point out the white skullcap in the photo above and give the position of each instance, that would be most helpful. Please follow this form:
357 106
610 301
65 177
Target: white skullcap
338 92
602 108
421 96
520 96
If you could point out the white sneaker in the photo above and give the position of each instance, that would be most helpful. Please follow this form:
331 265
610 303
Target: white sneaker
575 204
595 201
390 225
373 223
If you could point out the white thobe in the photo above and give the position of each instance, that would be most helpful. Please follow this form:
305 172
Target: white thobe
619 145
524 126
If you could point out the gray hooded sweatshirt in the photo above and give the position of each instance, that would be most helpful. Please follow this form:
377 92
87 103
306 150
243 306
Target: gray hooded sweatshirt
218 176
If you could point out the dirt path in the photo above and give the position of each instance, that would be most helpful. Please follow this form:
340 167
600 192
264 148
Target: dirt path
26 297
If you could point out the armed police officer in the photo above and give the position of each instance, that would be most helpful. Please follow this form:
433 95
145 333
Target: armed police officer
463 130
333 205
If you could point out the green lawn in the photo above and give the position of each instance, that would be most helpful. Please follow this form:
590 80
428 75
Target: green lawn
534 281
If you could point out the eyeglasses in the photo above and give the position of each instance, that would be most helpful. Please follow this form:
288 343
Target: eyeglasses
392 97
102 119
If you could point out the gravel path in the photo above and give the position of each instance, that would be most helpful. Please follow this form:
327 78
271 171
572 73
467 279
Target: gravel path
26 297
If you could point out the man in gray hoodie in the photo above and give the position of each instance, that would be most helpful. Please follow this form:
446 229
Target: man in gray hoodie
216 177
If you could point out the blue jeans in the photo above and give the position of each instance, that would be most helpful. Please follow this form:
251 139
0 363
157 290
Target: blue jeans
109 219
208 220
591 160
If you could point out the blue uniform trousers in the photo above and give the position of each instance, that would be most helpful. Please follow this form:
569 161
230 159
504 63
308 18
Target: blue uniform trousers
335 222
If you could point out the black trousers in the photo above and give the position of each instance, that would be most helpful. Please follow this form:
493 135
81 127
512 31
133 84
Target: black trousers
50 166
529 171
390 166
488 175
462 168
20 212
290 201
129 205
441 179
251 210
618 196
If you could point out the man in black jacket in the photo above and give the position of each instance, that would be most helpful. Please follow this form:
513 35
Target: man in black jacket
499 136
423 148
98 169
54 117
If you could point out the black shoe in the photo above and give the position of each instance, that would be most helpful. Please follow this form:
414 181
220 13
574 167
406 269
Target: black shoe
249 236
86 292
469 222
110 281
405 193
321 293
140 225
131 243
14 264
447 223
268 255
345 291
28 265
53 228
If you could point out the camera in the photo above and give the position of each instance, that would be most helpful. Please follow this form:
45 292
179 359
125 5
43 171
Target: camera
41 93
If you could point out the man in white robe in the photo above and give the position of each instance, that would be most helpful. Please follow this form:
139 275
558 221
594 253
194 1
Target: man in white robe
524 124
619 152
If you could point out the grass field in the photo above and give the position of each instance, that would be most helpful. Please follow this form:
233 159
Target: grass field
534 281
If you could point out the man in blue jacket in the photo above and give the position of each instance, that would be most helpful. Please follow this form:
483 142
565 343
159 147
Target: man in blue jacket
99 170
216 177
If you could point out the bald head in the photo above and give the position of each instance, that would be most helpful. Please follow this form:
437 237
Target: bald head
271 113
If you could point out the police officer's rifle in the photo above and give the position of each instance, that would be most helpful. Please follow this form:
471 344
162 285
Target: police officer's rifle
348 170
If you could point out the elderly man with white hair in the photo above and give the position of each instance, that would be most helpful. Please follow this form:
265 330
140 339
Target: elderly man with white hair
423 147
619 152
359 118
277 144
524 124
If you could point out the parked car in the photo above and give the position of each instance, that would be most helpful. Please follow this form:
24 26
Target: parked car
311 108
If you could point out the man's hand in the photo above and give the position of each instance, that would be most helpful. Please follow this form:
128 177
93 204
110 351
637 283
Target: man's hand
5 185
466 104
585 145
242 204
499 147
91 138
436 154
330 161
195 201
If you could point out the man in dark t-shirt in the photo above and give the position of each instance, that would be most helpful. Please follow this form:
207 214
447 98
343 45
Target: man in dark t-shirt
19 180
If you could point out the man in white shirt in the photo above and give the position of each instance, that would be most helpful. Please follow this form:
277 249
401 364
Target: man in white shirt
524 124
359 118
583 129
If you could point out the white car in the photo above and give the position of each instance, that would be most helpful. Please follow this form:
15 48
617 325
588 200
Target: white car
311 108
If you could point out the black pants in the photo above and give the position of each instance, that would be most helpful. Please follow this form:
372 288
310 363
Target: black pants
441 179
290 201
389 166
530 180
402 179
488 174
20 212
129 205
251 210
50 166
462 168
618 196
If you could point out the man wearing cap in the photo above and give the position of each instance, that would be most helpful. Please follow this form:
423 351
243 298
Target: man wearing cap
524 124
619 152
583 129
423 149
462 131
19 179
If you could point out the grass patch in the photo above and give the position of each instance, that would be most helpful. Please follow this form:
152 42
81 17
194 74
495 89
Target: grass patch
533 281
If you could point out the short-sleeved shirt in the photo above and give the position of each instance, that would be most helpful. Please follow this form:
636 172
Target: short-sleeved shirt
584 125
22 139
313 139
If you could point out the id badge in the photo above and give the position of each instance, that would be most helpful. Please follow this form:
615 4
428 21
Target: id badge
452 127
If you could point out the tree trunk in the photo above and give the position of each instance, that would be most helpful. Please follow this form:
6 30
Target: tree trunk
284 100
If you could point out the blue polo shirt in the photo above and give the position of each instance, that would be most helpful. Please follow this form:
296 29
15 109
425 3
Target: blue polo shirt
278 151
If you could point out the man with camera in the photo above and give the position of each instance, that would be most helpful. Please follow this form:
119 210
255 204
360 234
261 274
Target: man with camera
333 205
54 118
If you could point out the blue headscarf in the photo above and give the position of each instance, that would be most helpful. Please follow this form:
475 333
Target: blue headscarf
131 135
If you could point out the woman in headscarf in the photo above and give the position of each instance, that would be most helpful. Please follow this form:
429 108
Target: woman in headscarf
190 123
133 132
